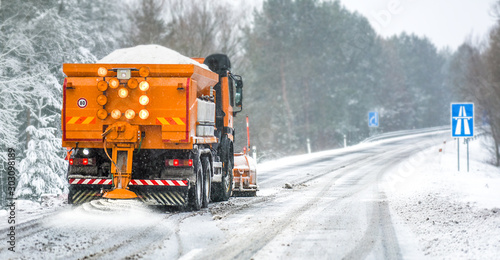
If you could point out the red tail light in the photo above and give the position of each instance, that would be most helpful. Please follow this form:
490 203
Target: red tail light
179 163
82 161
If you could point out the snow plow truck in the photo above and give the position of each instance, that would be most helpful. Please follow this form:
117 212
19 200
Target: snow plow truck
158 132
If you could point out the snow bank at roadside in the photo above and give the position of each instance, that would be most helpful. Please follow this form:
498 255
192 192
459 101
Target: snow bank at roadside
26 210
298 159
148 54
452 214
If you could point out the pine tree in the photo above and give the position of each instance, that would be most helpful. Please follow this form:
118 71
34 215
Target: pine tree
43 168
313 69
148 25
37 37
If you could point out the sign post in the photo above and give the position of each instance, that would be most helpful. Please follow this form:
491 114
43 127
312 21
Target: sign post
468 139
458 153
462 125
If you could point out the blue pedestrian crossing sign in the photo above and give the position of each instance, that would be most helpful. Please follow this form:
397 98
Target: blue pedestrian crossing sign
373 119
462 120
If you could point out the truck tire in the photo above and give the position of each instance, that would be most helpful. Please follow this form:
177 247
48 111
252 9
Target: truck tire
222 191
227 181
207 180
196 191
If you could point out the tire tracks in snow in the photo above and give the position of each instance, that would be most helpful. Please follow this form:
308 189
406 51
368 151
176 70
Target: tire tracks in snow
30 227
130 246
235 207
381 230
248 245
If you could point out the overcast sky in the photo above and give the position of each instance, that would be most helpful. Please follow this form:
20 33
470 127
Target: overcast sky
444 22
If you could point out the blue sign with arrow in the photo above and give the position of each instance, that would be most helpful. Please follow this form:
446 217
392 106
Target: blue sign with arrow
462 120
373 119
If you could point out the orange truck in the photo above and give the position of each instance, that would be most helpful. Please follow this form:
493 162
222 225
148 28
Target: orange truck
160 133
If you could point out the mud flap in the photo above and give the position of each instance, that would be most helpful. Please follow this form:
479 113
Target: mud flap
79 194
160 196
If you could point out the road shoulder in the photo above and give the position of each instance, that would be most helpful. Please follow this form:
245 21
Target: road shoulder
447 213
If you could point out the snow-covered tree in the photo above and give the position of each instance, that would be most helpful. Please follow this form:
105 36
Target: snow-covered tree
313 69
316 69
43 168
36 37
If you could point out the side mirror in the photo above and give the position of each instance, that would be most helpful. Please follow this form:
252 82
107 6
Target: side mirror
238 81
238 96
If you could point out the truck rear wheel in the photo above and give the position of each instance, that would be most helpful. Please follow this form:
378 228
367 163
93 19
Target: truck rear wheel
222 191
227 181
207 181
196 191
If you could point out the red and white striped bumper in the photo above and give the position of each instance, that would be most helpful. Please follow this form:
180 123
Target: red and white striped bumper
132 182
159 182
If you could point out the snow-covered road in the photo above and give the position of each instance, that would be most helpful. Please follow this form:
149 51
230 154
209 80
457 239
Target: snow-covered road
338 204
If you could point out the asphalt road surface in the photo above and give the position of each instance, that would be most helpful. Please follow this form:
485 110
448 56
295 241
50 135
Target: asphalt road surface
329 205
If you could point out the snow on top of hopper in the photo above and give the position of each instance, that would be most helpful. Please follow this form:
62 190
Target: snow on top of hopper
148 54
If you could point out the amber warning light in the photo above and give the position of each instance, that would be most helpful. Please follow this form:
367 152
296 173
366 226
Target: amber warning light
143 114
144 86
144 100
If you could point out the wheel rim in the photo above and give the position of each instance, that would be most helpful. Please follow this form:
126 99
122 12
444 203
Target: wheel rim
199 187
227 178
207 187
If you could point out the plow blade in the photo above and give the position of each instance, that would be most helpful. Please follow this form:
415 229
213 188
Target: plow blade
244 176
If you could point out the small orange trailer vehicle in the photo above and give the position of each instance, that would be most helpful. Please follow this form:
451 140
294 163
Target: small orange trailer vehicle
162 133
245 172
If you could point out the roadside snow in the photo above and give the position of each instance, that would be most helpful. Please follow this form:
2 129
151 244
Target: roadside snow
452 214
298 159
98 229
99 214
26 210
148 54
